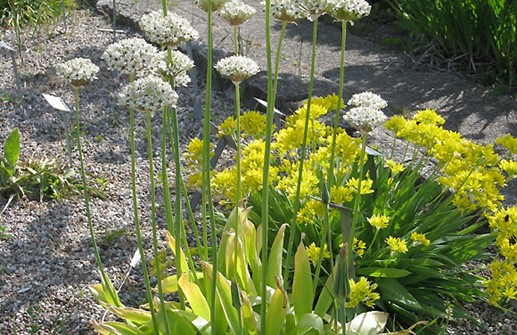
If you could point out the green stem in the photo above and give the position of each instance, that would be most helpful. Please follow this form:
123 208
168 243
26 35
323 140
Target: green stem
136 218
206 185
153 221
98 259
304 144
265 175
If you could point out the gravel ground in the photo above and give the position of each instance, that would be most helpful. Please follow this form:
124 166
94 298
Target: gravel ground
46 258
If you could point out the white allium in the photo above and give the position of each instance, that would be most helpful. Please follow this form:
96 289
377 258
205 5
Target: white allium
316 8
365 118
237 68
287 10
78 71
367 99
349 10
182 80
216 4
167 31
131 56
177 67
236 12
149 94
367 114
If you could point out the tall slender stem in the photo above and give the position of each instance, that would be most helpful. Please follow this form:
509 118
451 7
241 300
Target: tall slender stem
304 145
265 175
98 259
153 221
136 218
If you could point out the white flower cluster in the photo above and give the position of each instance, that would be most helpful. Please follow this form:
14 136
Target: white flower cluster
237 68
349 10
216 4
287 10
149 94
177 67
236 12
131 56
367 114
167 31
78 71
316 8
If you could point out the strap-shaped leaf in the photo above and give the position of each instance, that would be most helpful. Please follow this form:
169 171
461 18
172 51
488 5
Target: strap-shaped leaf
274 264
195 297
302 284
12 150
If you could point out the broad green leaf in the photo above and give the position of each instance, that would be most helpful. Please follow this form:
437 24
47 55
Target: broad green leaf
195 298
236 265
115 328
249 321
181 257
310 324
12 150
274 263
302 283
383 272
369 323
177 323
275 317
392 290
326 297
132 314
170 283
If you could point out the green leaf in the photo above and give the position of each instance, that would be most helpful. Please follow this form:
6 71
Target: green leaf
275 317
177 323
132 314
302 283
369 323
392 290
181 257
274 263
12 150
383 272
195 298
310 324
115 328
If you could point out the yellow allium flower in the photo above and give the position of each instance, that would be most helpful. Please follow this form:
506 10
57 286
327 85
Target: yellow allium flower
366 185
396 124
362 292
428 116
341 194
419 238
397 244
329 102
379 221
395 167
194 180
194 154
253 124
227 127
358 247
310 212
509 142
510 167
313 252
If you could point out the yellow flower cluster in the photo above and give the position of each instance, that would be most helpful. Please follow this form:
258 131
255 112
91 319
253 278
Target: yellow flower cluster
227 127
509 142
419 238
253 124
194 158
362 292
358 247
397 244
379 221
313 252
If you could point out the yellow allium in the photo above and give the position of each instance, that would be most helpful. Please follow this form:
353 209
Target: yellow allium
397 244
419 238
362 292
428 116
379 221
341 194
329 102
509 142
366 185
253 124
396 124
510 167
395 167
358 247
194 180
227 127
313 252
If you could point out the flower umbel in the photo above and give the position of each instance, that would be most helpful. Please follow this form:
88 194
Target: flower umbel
237 68
379 221
315 8
216 4
287 10
167 31
397 245
349 10
149 94
78 71
367 114
236 12
131 56
362 292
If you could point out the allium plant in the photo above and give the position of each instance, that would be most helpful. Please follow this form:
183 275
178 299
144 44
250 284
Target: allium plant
349 10
149 94
132 56
215 5
167 31
237 68
236 12
287 10
78 71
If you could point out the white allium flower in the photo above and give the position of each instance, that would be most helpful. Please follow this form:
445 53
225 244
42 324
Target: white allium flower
237 68
287 10
167 31
177 68
349 10
365 118
78 71
131 56
367 99
216 4
149 94
236 12
316 8
367 114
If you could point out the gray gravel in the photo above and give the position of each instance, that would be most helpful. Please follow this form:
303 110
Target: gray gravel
47 263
